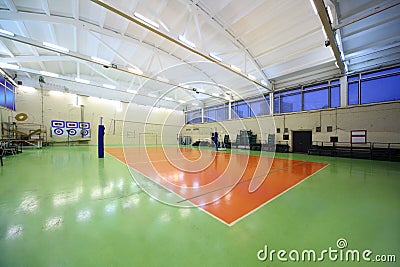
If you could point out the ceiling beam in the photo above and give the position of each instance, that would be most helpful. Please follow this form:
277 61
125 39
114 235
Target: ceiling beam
54 40
46 8
373 49
75 9
320 6
236 42
114 51
198 28
99 72
9 60
174 40
21 26
91 85
76 39
22 59
367 14
78 24
376 26
10 5
373 46
126 22
102 17
85 59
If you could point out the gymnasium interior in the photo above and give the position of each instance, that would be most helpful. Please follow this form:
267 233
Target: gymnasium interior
199 133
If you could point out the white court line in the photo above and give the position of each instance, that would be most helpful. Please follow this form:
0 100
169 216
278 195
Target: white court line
179 196
177 159
212 215
280 194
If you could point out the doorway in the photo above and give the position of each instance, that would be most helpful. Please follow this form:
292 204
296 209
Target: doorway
302 141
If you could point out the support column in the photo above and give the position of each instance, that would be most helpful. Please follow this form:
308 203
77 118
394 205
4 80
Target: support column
271 103
343 91
229 110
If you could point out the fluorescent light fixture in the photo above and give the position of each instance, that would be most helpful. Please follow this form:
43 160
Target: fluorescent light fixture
186 41
168 98
182 101
195 104
8 66
263 82
135 71
50 74
235 68
101 61
27 89
146 20
214 56
94 99
56 47
162 79
109 86
313 7
342 55
337 37
164 26
79 80
215 94
6 32
131 91
184 85
251 77
152 95
56 93
330 14
118 106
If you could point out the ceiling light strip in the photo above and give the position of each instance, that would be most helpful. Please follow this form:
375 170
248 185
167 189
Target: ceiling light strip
172 39
146 20
56 47
8 66
134 70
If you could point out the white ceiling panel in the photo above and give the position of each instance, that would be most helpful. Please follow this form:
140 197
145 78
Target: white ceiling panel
271 40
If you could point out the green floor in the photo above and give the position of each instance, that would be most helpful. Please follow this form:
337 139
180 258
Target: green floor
63 206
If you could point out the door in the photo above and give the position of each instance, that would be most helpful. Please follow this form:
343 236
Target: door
302 141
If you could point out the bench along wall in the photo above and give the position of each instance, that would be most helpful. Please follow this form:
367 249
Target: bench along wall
381 121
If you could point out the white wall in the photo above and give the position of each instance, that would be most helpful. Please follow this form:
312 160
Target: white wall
382 122
122 121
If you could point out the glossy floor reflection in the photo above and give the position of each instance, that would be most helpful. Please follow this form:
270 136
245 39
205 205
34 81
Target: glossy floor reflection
63 206
217 182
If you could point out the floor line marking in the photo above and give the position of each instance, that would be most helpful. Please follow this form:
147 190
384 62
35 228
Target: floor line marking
151 180
193 205
275 197
214 216
240 182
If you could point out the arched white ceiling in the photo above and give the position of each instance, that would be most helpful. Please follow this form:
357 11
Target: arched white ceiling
258 42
